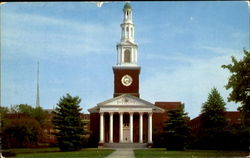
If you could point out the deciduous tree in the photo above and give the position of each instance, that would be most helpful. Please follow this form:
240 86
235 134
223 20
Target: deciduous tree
239 82
37 113
22 125
22 133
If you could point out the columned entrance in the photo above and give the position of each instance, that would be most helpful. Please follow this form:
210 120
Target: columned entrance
126 127
125 119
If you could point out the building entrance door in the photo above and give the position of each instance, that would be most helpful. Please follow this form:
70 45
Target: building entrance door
126 133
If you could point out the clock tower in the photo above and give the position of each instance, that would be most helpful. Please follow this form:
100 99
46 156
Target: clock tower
126 71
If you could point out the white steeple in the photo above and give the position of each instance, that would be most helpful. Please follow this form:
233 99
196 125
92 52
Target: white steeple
127 25
37 90
127 48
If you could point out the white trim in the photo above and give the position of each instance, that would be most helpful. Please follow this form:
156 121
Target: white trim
126 110
123 96
133 105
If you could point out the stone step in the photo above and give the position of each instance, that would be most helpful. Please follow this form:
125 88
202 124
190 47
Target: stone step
125 145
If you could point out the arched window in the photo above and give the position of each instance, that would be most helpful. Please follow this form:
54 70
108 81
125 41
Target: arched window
127 31
127 56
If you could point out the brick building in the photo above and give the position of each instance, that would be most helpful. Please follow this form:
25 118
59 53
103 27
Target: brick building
232 117
49 138
126 118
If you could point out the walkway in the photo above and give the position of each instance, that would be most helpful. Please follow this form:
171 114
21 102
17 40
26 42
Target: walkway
122 153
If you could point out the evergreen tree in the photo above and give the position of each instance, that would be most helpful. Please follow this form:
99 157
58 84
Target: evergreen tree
68 123
239 82
213 121
176 130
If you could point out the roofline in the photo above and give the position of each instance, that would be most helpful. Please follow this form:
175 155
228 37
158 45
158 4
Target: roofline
155 109
168 102
128 95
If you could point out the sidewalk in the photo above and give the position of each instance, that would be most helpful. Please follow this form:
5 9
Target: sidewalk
122 153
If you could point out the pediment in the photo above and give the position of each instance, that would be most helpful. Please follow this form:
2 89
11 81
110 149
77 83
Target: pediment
126 100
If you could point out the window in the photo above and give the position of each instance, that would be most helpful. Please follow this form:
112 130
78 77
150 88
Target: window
127 31
127 56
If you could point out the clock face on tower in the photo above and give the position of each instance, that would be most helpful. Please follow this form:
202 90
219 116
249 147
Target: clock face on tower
126 80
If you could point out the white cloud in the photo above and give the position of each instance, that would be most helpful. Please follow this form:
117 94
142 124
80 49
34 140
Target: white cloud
35 35
177 57
220 50
189 84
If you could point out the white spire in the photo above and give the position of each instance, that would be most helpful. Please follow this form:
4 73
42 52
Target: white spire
37 90
127 26
127 48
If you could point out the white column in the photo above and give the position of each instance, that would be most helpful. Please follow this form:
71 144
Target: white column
141 128
101 127
122 56
117 56
135 50
121 127
150 127
131 127
111 127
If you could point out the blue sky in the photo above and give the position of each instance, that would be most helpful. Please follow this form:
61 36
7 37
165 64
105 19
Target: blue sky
182 46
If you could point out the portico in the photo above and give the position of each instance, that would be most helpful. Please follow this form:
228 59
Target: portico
123 136
133 120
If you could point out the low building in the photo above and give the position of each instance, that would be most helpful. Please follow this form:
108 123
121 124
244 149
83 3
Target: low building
233 118
160 118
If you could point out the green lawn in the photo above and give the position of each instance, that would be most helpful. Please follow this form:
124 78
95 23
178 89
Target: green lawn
140 153
163 153
54 153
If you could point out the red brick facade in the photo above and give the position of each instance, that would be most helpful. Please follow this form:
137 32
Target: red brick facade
119 88
158 123
160 118
233 118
